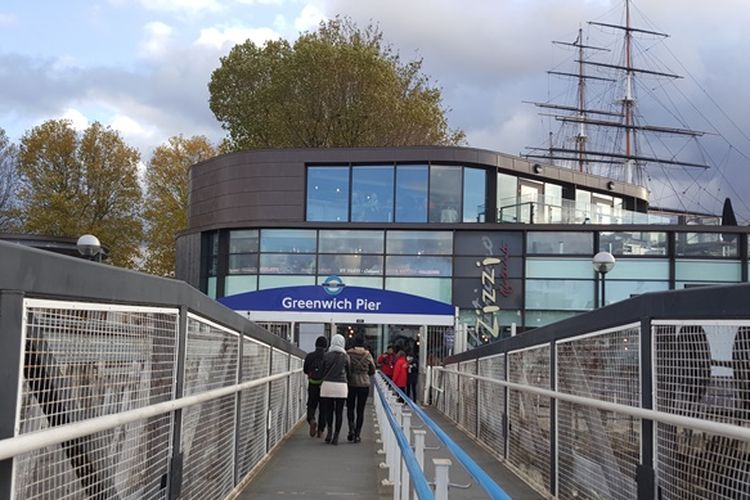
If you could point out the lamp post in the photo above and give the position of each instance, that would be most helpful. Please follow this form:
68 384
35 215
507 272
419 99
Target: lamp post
603 263
89 247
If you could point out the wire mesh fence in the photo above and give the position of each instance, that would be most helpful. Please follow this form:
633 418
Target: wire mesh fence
491 400
467 413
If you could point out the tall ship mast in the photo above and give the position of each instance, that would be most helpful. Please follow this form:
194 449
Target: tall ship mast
606 138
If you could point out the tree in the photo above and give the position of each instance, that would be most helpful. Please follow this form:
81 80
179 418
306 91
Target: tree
82 183
340 86
166 201
10 182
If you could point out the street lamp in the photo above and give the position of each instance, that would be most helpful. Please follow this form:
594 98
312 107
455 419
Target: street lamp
603 263
89 247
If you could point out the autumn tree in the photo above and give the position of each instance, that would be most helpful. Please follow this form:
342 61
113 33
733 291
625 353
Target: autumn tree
77 183
10 182
167 198
339 86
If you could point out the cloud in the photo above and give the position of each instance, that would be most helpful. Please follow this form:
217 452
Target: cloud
8 20
182 6
308 18
130 128
224 37
80 122
158 37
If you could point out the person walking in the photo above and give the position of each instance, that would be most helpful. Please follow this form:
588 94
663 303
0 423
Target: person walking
313 368
412 376
362 367
385 362
400 370
334 389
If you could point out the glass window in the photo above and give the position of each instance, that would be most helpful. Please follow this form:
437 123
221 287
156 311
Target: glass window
419 242
265 282
475 194
411 193
243 264
445 194
212 248
542 318
417 265
559 295
338 241
364 281
633 243
245 241
706 244
432 288
372 194
641 269
288 240
560 243
559 268
713 271
507 194
240 284
328 194
211 291
616 291
275 263
350 264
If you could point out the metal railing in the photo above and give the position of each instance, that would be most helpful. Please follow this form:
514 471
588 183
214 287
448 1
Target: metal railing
648 398
112 398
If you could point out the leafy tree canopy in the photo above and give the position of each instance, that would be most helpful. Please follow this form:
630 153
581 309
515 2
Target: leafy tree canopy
78 183
166 201
339 86
10 182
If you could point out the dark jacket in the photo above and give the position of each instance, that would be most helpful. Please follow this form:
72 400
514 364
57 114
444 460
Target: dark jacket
336 367
313 366
362 367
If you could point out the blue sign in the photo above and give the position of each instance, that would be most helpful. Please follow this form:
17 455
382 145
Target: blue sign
335 297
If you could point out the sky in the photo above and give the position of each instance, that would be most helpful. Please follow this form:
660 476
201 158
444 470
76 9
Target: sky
142 67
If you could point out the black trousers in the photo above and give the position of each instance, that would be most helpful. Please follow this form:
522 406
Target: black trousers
330 408
313 398
356 401
411 388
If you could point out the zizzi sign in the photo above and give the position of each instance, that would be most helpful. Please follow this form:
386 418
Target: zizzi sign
334 296
495 279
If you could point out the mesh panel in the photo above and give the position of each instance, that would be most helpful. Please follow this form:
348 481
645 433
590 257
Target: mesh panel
208 428
491 399
450 392
599 451
467 410
298 386
279 399
254 406
529 416
703 371
84 361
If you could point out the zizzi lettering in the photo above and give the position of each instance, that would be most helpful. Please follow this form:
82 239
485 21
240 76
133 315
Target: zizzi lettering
486 310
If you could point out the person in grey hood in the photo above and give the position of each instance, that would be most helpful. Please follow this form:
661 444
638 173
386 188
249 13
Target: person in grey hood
362 368
334 389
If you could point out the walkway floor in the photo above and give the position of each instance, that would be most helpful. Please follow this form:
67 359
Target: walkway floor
305 466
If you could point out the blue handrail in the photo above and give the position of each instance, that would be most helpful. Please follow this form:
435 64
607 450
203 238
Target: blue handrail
484 480
423 490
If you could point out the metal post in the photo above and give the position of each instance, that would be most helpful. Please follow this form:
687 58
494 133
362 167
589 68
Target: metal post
238 410
175 465
11 348
442 472
419 436
406 426
645 474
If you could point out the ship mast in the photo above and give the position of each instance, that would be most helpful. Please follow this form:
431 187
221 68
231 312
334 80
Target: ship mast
627 102
581 138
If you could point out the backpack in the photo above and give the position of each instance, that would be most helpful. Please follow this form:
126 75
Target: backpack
316 368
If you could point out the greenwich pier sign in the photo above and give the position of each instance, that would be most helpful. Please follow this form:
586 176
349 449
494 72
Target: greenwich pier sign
333 301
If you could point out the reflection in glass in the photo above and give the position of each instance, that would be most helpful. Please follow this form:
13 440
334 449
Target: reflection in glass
411 193
420 265
245 241
419 242
364 281
287 240
432 288
706 245
328 194
559 294
243 264
345 241
240 284
350 264
560 243
287 264
475 198
445 194
620 290
277 281
633 243
372 194
507 198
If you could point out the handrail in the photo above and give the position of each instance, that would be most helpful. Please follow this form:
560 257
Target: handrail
24 443
721 428
421 487
482 478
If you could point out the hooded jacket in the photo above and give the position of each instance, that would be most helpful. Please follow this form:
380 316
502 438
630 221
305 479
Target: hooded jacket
313 366
336 361
362 367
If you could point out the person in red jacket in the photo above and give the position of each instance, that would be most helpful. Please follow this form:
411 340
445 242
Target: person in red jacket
400 370
385 362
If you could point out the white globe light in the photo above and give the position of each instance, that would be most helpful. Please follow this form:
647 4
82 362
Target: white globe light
88 245
603 262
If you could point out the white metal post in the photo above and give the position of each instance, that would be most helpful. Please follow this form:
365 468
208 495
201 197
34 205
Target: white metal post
419 435
406 426
442 468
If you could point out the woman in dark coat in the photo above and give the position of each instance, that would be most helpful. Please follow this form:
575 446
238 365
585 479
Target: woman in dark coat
334 389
